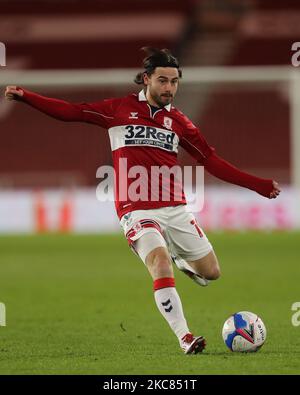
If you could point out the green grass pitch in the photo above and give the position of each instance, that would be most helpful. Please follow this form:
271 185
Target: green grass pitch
84 305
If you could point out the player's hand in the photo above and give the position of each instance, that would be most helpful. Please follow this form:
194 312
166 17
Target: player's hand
13 92
276 190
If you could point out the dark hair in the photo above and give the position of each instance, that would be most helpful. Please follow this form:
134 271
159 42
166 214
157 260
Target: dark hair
156 58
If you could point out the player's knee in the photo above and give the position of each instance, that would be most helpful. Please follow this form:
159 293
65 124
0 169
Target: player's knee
213 274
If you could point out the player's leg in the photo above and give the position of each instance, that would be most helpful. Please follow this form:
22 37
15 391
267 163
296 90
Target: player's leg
191 250
145 235
207 267
157 261
166 297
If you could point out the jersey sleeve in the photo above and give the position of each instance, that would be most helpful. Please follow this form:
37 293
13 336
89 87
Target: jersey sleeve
100 113
225 171
194 142
196 145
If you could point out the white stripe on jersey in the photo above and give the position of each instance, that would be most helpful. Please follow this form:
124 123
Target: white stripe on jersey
97 113
141 135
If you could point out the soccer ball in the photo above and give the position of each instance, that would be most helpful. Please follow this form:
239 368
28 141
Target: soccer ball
244 332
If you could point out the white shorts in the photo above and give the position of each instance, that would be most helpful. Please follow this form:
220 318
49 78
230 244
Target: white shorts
172 227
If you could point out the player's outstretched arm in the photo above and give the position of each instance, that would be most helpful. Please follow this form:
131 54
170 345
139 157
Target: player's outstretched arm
227 172
194 143
58 109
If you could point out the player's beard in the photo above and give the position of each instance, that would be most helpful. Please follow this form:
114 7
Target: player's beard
161 100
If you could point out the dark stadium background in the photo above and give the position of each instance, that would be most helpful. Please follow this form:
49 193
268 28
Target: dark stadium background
201 33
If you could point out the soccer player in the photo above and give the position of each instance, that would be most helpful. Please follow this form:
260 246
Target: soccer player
146 130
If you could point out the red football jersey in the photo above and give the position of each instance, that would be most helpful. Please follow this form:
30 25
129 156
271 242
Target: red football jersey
139 138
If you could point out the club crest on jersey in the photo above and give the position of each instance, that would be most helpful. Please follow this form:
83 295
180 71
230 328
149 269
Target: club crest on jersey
133 115
168 123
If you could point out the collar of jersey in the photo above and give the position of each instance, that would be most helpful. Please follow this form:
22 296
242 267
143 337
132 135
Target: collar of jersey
142 97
